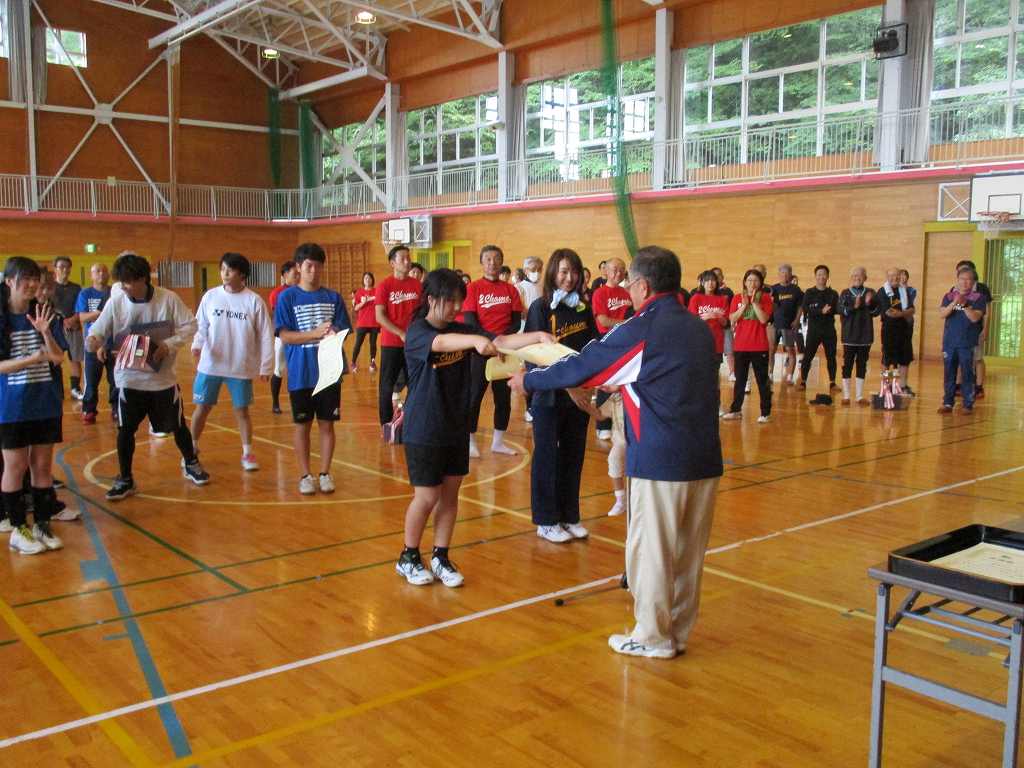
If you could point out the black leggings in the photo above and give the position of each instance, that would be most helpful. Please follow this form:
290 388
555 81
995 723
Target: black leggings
361 333
856 354
759 361
478 388
814 339
392 363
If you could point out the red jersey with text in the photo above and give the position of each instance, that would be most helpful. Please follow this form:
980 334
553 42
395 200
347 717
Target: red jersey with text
399 299
711 308
366 315
494 301
610 302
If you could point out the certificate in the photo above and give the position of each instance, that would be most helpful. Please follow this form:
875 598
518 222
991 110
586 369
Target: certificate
987 560
536 354
330 359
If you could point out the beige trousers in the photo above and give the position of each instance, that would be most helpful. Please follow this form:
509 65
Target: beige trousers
669 526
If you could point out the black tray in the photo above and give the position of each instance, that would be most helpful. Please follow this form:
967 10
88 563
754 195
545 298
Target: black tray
914 562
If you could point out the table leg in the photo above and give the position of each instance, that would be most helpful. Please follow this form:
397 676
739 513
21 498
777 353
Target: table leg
877 685
1013 698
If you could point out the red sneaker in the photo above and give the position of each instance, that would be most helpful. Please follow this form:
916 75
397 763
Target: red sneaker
88 418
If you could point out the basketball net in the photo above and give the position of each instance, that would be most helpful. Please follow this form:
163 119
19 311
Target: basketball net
993 223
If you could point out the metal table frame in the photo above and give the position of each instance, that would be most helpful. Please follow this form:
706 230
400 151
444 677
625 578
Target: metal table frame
1006 631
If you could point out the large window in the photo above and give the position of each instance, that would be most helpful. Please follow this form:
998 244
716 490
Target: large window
796 73
459 132
370 152
3 29
73 50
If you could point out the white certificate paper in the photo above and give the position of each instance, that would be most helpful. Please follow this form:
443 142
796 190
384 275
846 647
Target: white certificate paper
989 560
331 360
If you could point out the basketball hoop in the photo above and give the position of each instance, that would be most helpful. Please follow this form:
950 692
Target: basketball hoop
993 223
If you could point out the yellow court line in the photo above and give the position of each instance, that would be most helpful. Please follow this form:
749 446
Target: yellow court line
79 692
345 713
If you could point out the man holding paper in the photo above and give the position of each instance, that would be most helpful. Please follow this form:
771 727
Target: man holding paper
662 359
305 314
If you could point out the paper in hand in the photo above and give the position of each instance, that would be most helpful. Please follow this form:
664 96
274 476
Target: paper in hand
330 359
535 354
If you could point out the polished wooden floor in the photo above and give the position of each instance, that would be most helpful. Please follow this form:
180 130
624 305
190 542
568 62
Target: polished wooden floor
185 590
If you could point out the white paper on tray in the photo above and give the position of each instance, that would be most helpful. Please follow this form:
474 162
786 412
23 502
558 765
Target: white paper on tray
330 359
536 354
988 560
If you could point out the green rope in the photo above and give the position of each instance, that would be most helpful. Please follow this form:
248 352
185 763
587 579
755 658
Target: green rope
610 82
307 156
274 133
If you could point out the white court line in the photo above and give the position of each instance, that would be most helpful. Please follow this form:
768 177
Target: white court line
233 681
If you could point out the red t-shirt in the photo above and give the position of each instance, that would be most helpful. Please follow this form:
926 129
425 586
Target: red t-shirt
494 301
711 309
366 316
748 332
610 302
399 299
272 299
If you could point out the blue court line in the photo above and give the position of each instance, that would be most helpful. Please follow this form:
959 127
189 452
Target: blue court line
103 568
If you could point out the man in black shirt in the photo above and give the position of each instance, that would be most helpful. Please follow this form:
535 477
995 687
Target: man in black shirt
896 307
787 299
65 296
601 279
979 360
819 305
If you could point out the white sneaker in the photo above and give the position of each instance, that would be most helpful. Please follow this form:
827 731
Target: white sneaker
66 515
41 532
732 416
446 572
307 486
747 390
161 435
576 530
627 645
554 533
326 483
617 509
528 417
732 377
395 398
5 526
763 419
474 452
77 394
414 571
249 463
604 434
24 543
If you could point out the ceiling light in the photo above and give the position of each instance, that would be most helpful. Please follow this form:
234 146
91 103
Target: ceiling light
365 17
271 53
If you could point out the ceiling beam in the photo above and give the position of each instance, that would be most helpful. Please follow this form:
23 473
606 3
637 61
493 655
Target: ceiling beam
134 8
379 10
212 15
326 82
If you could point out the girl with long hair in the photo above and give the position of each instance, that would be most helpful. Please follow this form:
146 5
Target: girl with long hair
750 313
366 321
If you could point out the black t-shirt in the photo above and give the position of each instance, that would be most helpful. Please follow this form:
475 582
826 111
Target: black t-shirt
814 301
64 298
786 301
574 327
437 409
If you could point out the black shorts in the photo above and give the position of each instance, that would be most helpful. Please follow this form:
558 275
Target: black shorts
897 343
163 407
325 405
428 465
22 434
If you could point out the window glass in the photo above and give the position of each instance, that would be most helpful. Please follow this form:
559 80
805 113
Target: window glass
851 32
800 90
73 51
763 96
728 58
944 76
637 77
697 63
947 22
984 14
725 101
983 61
697 106
785 46
458 113
842 83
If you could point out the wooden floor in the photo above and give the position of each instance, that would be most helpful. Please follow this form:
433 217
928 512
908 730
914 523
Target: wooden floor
280 626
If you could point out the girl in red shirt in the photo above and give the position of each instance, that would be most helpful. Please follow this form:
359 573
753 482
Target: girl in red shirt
750 313
366 320
713 309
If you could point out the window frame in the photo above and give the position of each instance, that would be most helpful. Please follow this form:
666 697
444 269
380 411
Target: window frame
56 54
485 119
1013 30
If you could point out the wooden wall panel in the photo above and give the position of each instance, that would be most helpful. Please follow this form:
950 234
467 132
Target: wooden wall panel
726 19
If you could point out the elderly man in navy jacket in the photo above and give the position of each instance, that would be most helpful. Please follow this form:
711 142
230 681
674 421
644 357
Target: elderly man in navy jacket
662 361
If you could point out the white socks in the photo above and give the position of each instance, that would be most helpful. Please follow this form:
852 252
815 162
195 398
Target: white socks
620 504
246 449
498 444
846 389
860 389
474 452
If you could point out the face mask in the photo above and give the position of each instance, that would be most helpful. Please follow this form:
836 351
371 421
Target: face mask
532 275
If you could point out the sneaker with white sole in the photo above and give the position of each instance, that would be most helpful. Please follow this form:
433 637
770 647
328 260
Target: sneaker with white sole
24 543
66 515
77 394
617 509
627 645
5 525
554 533
474 452
307 485
161 435
249 463
446 571
528 417
121 489
604 434
326 483
575 530
41 532
763 419
194 471
732 416
732 377
412 568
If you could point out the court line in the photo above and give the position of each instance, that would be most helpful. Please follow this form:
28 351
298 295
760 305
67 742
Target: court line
103 717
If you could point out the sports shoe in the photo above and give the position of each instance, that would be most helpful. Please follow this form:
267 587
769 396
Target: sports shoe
353 368
276 408
617 508
412 568
802 385
24 543
604 434
326 483
5 525
627 645
732 377
528 418
474 452
67 515
42 533
732 416
845 401
249 463
121 489
748 387
77 394
395 397
307 485
763 419
945 409
979 392
88 418
446 571
373 366
194 471
554 533
161 435
575 530
863 401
